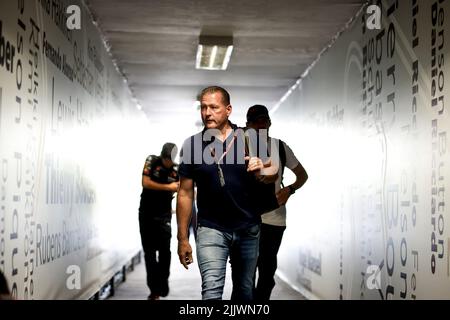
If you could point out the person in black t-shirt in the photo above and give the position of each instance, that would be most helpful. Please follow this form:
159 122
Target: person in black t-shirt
159 183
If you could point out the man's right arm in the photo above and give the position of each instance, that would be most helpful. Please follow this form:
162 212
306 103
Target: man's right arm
148 183
184 212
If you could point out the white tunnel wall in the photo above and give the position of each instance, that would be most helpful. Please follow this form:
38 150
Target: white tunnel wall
370 124
72 147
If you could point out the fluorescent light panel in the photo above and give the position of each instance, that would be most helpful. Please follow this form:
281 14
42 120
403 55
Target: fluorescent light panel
214 53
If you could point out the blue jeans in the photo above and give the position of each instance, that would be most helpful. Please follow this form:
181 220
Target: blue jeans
213 249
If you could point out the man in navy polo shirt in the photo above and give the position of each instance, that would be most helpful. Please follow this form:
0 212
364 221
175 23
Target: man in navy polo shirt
228 188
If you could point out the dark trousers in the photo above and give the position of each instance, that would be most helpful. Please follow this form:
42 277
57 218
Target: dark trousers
155 237
269 243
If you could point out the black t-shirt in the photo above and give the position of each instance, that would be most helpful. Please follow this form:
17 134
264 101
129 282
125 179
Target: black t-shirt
234 205
157 203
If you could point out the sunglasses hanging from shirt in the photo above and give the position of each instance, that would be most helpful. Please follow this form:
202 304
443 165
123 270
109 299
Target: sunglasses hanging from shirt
219 168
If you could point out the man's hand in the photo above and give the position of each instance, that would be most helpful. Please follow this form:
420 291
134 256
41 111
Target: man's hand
173 186
185 253
254 164
267 176
185 198
283 196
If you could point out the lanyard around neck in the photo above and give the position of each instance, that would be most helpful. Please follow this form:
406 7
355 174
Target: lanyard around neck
219 169
224 154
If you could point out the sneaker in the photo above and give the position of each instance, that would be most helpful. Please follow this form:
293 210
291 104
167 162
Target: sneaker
165 289
153 297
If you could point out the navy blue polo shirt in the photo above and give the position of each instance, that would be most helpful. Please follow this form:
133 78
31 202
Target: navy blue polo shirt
230 207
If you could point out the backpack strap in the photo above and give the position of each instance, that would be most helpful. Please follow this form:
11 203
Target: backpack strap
282 152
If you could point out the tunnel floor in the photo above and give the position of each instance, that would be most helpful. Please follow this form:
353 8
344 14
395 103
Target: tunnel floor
186 284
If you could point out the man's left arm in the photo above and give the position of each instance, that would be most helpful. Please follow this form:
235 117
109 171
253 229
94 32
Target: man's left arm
300 178
269 172
266 172
261 169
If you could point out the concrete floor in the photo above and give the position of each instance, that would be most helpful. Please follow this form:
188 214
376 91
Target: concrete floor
186 284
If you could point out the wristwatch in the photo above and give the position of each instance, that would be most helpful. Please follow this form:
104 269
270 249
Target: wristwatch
291 189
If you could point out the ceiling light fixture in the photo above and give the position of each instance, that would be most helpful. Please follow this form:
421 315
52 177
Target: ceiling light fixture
214 52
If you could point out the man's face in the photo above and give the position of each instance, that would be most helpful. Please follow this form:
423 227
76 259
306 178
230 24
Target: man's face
168 163
214 112
260 123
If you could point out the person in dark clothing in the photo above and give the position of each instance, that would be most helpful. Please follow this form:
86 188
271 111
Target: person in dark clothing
4 290
273 222
228 200
159 183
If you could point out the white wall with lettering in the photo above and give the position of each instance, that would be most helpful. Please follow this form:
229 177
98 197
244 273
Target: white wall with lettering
369 123
72 146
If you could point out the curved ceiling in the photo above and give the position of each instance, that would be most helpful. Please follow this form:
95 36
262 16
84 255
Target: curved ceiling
154 44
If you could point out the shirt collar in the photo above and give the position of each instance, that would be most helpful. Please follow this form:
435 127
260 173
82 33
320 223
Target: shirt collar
233 126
